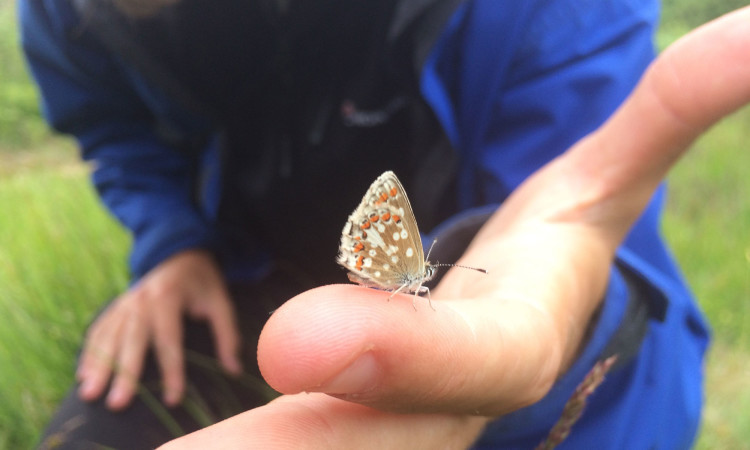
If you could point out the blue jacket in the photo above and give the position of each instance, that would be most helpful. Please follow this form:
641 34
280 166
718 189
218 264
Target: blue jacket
513 85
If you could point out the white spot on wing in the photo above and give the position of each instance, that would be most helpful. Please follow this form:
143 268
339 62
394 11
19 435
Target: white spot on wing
409 252
375 238
396 236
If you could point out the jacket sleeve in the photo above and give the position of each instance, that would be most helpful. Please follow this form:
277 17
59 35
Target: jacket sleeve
515 84
144 181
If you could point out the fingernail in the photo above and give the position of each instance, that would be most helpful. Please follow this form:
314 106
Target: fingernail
361 376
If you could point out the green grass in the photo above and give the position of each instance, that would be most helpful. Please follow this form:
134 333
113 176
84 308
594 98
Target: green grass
20 124
727 411
708 225
61 255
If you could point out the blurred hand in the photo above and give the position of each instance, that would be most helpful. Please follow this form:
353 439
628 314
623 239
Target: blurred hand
497 342
151 314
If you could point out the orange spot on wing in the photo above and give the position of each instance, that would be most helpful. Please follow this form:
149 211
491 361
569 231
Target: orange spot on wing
365 225
396 218
386 217
374 218
393 192
360 260
359 247
383 197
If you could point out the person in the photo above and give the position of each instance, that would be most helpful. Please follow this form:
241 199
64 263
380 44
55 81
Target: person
233 140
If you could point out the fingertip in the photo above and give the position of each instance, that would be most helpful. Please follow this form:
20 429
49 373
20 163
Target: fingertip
92 381
232 365
172 398
174 388
118 398
228 349
320 333
295 346
89 389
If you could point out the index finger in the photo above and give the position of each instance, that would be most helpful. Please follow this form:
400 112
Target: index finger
304 422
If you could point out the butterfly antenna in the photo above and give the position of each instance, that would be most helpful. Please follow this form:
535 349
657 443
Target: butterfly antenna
427 258
461 266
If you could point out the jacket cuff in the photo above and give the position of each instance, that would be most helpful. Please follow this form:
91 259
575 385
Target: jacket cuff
160 241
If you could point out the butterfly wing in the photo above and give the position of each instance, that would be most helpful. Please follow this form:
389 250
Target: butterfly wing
409 241
380 242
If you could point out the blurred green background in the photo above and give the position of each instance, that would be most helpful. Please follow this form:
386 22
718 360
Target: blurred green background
61 254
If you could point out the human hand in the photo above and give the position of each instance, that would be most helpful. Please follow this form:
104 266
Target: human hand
495 343
151 314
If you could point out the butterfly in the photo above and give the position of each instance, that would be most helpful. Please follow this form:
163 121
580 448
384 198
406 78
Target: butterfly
381 245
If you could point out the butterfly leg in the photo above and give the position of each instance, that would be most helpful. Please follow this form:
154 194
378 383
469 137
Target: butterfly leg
397 291
419 290
429 299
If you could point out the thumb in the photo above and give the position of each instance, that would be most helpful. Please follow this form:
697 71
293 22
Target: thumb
352 342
